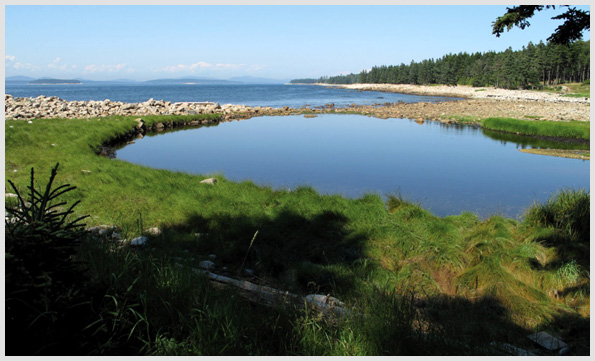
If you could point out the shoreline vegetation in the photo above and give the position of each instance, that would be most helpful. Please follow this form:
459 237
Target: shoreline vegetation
414 283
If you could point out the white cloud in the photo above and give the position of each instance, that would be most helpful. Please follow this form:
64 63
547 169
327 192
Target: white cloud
12 63
204 65
103 68
54 64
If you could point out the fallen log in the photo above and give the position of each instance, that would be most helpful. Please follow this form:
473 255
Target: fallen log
325 304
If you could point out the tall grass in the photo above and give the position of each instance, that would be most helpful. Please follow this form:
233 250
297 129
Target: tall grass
568 211
572 130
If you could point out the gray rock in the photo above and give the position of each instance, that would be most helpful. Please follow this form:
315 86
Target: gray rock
101 230
547 341
139 241
564 351
208 265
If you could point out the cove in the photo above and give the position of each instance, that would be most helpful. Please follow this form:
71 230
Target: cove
447 169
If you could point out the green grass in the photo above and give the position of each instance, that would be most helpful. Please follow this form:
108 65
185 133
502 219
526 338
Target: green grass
579 90
571 130
419 284
575 90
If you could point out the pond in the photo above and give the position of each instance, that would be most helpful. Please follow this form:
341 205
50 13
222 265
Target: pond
447 169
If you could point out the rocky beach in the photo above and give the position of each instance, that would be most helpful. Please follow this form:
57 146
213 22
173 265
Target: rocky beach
474 104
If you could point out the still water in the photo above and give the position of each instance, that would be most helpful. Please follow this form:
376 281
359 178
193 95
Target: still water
447 169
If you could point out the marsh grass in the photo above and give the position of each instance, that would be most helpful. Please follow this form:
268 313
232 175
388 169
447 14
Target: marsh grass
572 129
418 284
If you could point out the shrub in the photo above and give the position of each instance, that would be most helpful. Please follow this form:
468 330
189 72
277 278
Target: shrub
42 280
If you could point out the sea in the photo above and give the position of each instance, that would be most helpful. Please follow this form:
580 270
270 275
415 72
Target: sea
273 95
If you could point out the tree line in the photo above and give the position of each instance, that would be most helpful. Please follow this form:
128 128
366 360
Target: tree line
532 67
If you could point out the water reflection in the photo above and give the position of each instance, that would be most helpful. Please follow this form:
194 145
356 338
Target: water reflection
448 169
524 142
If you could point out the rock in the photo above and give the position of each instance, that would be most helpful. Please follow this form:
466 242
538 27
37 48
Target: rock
248 272
212 256
564 351
140 124
86 171
208 265
324 299
547 341
154 231
511 350
326 303
101 230
139 241
212 181
10 195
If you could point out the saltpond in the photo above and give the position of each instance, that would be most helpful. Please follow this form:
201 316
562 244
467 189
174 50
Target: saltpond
447 169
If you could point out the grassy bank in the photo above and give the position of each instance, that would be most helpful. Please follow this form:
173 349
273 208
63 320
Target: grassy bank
417 284
542 128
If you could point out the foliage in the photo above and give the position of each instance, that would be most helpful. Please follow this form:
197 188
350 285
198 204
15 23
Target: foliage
304 81
42 278
568 211
576 21
532 67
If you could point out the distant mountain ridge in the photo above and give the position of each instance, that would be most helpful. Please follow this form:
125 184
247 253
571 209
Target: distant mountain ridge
191 80
183 80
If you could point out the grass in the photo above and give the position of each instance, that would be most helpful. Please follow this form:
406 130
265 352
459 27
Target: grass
571 130
420 284
579 90
575 90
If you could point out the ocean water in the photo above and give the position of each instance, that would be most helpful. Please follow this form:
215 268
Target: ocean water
277 95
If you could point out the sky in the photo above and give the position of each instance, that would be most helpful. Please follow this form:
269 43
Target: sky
143 42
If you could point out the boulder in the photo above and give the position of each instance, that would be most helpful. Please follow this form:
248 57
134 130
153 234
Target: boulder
139 241
212 181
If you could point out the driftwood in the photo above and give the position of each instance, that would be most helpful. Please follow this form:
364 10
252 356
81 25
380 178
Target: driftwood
269 296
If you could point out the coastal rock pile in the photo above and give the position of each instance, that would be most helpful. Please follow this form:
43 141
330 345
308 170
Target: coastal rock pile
43 107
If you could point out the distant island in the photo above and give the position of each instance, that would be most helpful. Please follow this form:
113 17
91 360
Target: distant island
191 80
55 81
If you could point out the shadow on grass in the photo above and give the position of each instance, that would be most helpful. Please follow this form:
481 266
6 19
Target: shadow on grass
310 254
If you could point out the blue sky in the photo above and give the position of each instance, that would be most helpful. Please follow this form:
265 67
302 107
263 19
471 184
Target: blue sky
282 42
